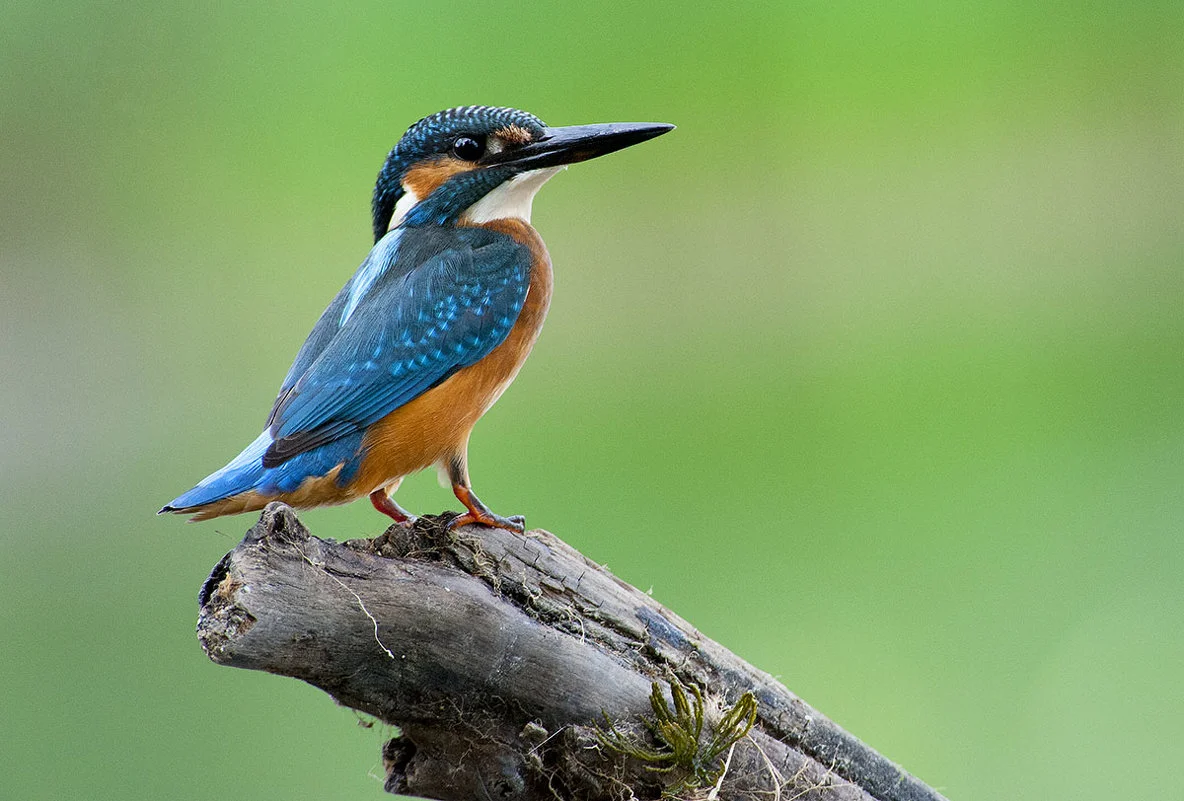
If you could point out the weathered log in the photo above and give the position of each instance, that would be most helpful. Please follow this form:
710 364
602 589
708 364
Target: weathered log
516 668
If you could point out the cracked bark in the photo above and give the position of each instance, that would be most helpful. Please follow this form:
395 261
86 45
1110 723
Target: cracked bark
499 657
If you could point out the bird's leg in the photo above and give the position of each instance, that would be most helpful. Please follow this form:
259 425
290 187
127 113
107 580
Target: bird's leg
383 502
478 511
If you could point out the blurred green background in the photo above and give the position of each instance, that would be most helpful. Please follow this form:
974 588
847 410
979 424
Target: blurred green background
872 370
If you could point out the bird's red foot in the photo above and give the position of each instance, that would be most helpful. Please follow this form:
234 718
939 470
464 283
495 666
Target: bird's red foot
480 513
512 523
386 504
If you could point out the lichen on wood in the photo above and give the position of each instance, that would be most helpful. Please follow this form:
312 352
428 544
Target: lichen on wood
682 752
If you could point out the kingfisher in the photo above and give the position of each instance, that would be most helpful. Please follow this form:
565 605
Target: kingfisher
431 329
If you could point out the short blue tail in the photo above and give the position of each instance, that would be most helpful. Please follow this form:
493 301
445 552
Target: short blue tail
246 472
241 475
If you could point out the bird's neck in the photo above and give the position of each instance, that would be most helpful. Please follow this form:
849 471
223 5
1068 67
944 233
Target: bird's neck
466 198
511 200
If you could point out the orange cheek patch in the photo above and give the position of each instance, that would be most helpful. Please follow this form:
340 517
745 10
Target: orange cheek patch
426 178
514 134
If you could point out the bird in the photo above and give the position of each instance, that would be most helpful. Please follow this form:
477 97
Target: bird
430 330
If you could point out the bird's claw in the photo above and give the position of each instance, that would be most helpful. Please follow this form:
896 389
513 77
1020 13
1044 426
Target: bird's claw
515 523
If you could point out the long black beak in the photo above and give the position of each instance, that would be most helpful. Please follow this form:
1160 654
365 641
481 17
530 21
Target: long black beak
573 143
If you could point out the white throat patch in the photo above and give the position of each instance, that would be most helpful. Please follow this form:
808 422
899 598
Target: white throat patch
512 199
406 204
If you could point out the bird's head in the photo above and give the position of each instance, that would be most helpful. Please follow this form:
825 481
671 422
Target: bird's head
481 163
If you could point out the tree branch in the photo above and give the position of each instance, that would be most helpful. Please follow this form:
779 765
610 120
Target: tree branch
516 668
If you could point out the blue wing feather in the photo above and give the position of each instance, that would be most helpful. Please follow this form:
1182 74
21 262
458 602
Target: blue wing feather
421 307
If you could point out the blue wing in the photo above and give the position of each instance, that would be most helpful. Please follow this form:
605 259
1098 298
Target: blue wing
426 303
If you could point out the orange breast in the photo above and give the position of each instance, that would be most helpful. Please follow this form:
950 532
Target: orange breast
435 426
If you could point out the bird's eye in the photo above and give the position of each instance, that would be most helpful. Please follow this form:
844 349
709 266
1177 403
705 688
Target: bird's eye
468 148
